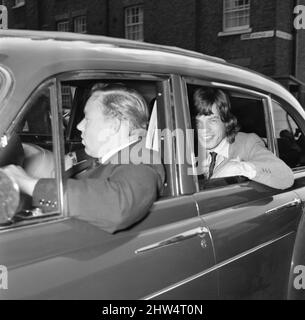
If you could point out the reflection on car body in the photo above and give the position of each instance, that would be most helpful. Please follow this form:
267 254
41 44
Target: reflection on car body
225 238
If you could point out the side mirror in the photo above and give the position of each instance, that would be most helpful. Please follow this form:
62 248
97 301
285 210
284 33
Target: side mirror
9 198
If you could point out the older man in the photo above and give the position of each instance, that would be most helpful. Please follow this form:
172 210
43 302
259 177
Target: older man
121 188
226 152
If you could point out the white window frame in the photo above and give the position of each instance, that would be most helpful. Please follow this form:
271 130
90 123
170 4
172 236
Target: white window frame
80 24
19 3
242 11
63 26
134 23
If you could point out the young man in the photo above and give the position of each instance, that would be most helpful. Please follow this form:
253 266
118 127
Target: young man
223 151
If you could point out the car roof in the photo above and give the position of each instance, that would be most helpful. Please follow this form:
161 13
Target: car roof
34 55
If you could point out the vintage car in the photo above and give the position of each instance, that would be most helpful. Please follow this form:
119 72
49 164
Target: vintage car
226 238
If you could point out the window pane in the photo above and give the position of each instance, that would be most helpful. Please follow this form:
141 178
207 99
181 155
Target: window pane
236 14
34 137
290 139
134 23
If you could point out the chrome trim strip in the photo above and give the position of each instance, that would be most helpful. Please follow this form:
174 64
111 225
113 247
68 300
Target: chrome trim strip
211 269
240 89
200 231
34 223
289 204
271 123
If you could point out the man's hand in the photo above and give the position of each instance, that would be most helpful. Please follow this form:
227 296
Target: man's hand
236 168
24 181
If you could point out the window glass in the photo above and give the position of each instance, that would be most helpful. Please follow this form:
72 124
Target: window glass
31 147
63 26
236 14
79 91
289 137
80 24
249 113
134 28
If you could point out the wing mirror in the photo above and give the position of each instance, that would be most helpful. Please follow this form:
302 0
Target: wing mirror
9 198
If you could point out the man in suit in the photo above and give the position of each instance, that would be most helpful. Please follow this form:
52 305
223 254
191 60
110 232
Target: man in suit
124 182
224 151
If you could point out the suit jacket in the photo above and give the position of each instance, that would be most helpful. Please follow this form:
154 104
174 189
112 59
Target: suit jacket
112 196
270 170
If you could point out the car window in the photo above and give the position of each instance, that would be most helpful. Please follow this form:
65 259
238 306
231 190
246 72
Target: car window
250 114
289 137
31 147
75 94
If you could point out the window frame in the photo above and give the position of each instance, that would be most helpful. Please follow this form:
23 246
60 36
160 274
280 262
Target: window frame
295 117
19 3
140 23
227 11
59 167
65 23
162 79
82 19
267 105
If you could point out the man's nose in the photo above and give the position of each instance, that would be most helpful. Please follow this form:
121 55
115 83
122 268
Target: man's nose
80 126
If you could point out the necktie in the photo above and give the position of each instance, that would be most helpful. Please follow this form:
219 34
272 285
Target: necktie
212 164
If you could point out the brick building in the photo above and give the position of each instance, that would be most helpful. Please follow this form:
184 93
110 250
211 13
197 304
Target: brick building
257 34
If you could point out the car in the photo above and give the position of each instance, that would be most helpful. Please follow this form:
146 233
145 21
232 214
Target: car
228 238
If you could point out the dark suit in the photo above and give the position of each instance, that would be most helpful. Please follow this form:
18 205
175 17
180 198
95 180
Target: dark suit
111 196
270 170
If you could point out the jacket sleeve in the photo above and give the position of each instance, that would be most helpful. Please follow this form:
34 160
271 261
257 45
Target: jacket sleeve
270 170
111 203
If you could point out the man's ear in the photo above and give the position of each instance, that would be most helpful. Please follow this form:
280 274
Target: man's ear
115 125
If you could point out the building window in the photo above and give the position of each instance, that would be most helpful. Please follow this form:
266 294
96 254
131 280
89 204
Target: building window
19 3
134 28
63 26
236 14
80 24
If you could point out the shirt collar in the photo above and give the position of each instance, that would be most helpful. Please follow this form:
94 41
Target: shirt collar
112 152
223 148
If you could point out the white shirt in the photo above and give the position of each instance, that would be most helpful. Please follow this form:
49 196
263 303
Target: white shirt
243 168
112 152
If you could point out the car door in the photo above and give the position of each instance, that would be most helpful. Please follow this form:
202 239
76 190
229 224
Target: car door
253 226
57 257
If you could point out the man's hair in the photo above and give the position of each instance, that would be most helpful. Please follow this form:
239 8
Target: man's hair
205 98
122 103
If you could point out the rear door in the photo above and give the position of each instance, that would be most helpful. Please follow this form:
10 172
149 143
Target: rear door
252 226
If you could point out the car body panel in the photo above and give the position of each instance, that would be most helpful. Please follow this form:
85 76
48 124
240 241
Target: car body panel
71 259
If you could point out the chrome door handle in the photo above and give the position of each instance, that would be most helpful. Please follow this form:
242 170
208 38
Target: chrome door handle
200 231
289 204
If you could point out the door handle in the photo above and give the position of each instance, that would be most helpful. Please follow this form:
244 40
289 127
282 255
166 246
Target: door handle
200 231
289 204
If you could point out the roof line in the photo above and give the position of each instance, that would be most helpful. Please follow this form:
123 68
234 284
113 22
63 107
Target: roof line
125 43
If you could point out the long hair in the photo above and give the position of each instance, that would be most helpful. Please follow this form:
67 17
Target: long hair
205 98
